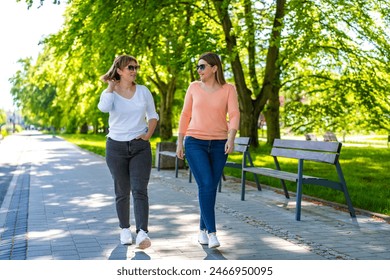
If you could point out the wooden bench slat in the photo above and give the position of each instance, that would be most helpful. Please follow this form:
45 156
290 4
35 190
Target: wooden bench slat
334 147
307 155
293 177
272 173
168 153
240 148
242 141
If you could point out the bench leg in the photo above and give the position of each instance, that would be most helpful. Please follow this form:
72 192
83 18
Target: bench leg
189 170
176 166
257 182
281 180
247 154
220 182
285 189
158 163
345 190
298 202
243 175
299 191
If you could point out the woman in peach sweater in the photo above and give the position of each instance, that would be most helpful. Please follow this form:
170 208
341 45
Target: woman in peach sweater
209 122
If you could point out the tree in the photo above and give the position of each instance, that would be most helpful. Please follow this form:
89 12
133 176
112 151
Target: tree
335 67
327 60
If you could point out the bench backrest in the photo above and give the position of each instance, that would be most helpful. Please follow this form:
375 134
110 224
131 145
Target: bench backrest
241 144
308 150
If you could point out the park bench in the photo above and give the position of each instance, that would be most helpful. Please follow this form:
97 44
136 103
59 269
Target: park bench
330 136
241 146
172 154
311 137
317 151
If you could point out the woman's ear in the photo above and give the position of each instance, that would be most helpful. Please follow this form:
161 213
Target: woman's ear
118 74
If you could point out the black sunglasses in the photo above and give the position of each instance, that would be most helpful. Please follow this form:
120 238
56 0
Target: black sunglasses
133 68
201 67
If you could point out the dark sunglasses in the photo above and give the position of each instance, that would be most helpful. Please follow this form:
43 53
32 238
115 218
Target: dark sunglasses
201 67
133 68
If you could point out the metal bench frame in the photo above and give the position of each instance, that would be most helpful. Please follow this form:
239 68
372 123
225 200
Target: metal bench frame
173 154
318 151
241 145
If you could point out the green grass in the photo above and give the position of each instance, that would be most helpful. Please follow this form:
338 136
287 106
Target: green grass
366 170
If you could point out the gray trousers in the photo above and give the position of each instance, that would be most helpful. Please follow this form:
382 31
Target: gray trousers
130 164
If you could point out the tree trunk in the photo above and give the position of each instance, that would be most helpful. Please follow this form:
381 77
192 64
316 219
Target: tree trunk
248 119
250 109
166 110
271 84
271 114
167 93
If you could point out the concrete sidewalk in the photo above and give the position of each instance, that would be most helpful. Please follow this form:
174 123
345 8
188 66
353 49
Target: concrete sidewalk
60 206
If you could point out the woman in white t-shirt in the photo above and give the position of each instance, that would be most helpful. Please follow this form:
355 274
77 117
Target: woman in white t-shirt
132 121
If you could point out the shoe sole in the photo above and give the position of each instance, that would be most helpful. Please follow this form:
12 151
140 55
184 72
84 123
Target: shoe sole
126 243
203 243
214 246
146 243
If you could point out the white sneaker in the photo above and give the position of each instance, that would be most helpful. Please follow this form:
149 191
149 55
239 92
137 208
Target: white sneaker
126 238
203 238
213 240
143 240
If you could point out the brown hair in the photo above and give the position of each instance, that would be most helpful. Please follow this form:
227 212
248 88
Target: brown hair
119 63
214 60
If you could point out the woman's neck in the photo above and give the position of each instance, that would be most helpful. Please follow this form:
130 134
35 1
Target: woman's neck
210 85
126 89
125 85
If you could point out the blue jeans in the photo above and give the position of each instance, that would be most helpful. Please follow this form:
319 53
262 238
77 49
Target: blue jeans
206 159
130 164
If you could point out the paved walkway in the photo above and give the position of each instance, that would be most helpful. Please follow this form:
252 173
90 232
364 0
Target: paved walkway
60 206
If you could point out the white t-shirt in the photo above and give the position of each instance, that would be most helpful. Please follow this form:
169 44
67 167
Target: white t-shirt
128 118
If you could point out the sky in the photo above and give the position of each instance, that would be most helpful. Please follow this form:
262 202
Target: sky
21 29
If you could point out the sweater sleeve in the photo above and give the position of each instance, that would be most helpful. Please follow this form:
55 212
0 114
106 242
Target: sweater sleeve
186 112
233 109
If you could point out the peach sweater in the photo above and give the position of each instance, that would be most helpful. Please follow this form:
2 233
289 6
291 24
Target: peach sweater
209 116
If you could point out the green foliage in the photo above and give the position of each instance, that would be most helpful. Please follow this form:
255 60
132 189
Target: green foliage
331 67
338 73
3 117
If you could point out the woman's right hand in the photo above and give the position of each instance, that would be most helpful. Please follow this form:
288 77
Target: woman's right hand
111 85
180 151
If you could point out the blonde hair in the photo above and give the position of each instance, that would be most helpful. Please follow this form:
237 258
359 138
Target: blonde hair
120 62
214 60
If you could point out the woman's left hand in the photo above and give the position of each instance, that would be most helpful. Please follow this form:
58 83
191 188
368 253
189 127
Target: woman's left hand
143 137
229 146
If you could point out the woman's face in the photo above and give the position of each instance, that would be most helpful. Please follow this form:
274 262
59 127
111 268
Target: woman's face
205 70
129 73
